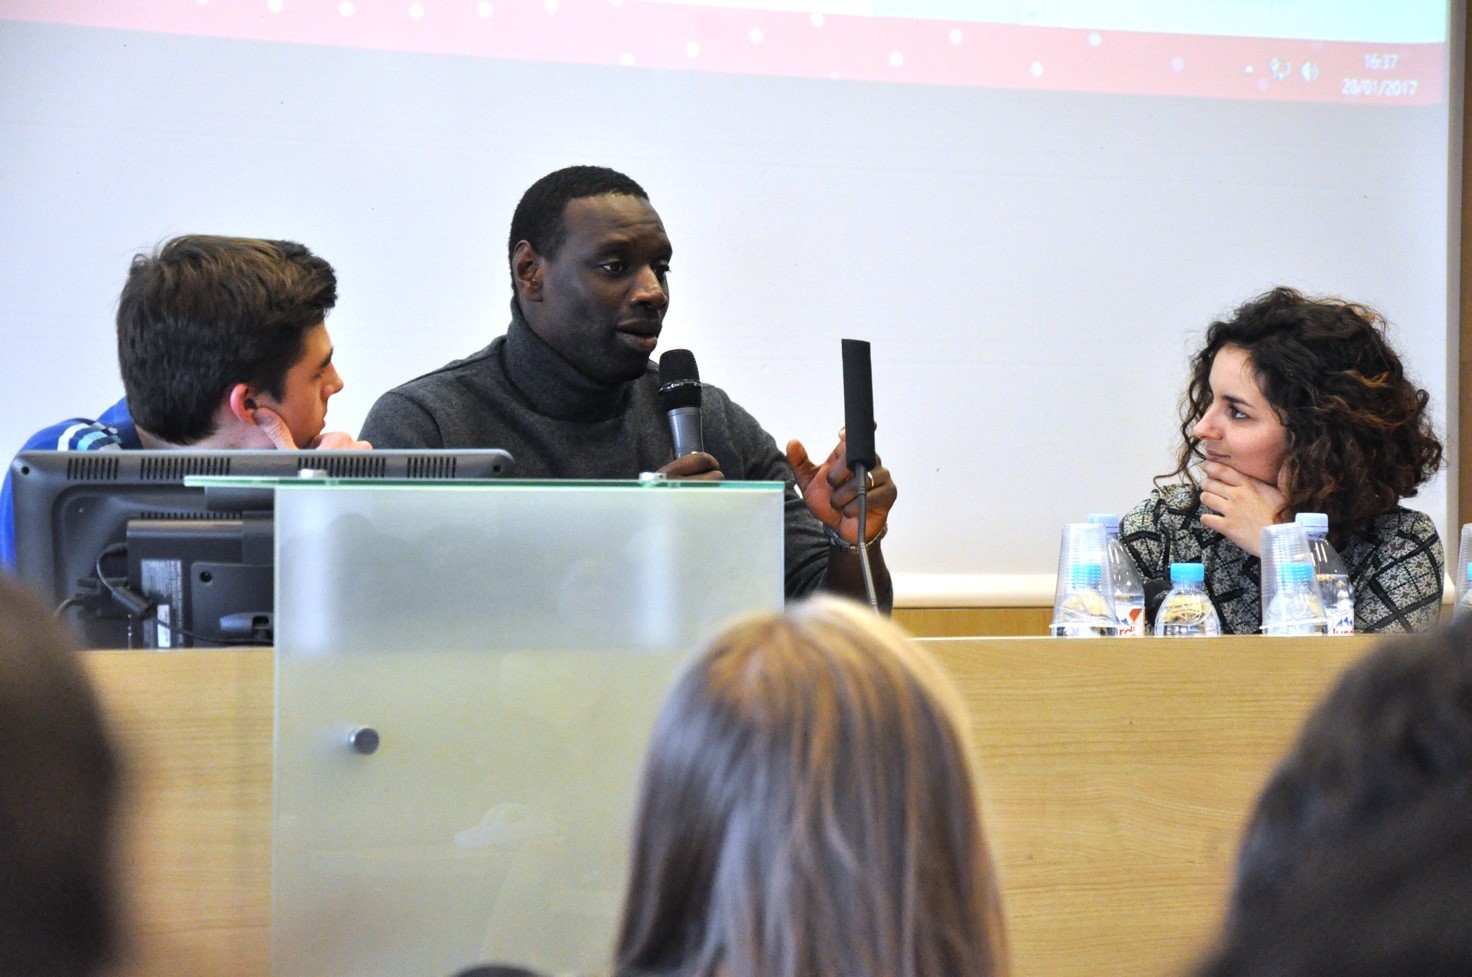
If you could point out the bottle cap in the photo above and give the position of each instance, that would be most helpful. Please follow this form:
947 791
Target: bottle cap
1109 520
1187 573
1313 522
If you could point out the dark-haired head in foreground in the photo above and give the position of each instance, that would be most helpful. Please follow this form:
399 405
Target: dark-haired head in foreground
1394 900
58 782
1389 745
808 807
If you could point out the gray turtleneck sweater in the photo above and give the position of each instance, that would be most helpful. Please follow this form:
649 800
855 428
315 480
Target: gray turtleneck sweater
520 395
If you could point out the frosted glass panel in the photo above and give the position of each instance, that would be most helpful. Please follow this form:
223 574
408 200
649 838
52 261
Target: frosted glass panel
507 645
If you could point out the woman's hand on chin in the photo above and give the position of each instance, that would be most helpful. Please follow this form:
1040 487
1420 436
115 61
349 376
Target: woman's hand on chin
1241 505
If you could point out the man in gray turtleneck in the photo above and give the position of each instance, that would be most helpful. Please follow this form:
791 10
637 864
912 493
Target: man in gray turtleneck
570 391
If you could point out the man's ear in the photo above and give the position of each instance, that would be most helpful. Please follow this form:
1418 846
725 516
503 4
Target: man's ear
239 403
526 268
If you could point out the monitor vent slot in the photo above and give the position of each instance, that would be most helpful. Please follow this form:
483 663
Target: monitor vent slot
359 464
188 514
93 466
166 466
432 467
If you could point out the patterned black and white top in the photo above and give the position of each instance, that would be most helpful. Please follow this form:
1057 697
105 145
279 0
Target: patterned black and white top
1395 563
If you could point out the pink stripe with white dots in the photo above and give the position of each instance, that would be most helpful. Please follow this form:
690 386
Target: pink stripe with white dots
763 42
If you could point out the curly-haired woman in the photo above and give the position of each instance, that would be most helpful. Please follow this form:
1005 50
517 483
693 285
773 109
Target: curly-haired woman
1299 405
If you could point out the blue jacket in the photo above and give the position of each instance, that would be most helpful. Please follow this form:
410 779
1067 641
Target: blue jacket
113 431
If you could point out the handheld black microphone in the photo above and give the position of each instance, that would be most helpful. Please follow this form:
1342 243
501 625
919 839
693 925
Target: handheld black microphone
858 423
858 404
679 395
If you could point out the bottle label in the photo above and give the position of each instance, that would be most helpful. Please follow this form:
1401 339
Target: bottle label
1338 603
1084 631
1131 618
1295 612
1187 614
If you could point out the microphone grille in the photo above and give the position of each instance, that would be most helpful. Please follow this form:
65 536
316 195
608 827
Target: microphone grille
679 380
858 402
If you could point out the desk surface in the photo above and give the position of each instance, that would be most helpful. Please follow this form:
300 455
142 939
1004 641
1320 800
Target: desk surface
1116 775
1116 778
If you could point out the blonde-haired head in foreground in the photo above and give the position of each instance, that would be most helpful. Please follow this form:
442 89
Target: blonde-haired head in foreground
808 808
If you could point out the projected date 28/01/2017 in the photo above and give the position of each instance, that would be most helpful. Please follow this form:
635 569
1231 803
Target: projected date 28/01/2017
1381 87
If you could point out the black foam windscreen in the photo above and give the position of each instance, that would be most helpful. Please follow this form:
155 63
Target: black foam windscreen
858 403
679 380
1155 590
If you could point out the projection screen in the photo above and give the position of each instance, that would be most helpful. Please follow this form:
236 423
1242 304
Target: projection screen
1031 209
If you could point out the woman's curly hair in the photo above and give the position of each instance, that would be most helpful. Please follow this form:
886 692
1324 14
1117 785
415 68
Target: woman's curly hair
1359 436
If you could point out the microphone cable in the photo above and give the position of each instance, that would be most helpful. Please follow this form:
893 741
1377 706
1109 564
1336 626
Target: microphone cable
865 570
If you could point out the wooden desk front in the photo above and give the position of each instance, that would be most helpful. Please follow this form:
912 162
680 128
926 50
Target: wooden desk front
1116 777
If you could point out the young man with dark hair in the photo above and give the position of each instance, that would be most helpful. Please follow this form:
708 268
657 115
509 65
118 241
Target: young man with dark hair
570 391
222 343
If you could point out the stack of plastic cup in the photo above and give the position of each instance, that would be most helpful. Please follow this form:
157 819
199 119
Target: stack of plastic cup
1462 575
1083 604
1291 600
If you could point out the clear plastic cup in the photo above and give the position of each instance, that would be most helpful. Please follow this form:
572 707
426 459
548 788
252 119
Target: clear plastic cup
1284 547
1083 602
1462 572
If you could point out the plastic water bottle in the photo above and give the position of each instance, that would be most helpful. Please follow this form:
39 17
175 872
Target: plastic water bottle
1129 591
1334 585
1464 571
1295 608
1084 611
1186 611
